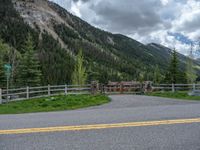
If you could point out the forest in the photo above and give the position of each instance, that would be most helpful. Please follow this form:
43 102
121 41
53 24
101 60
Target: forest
37 58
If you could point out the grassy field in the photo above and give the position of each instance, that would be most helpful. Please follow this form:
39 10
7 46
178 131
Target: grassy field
176 95
57 103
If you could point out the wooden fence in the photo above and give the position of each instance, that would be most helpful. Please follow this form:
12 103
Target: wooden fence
42 91
52 90
175 87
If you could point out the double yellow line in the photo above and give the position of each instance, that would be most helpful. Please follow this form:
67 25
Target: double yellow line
99 126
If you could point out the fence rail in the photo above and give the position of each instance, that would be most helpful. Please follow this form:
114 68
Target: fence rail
42 91
175 87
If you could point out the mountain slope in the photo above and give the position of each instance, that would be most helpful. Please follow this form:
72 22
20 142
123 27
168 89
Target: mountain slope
58 36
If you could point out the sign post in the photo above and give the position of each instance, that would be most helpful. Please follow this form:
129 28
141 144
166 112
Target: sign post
7 68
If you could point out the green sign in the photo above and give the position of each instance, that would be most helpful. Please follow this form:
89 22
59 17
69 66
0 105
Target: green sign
8 68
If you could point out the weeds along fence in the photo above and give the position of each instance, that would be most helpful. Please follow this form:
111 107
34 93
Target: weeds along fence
176 87
42 91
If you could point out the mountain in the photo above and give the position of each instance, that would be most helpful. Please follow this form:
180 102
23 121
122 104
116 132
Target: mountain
58 36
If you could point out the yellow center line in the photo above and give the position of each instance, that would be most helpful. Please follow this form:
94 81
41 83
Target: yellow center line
99 126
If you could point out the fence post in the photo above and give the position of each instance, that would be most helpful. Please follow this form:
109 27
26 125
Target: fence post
103 89
1 96
94 87
49 90
65 89
194 87
141 88
173 87
27 92
121 88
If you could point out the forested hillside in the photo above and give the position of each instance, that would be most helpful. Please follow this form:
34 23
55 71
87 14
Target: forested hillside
57 36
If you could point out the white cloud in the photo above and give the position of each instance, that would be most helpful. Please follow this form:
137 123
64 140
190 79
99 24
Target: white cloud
75 8
144 20
188 22
164 2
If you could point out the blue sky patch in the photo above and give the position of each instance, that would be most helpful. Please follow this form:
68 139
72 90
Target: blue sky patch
180 37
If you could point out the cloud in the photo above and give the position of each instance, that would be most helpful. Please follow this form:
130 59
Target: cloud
164 2
188 22
126 17
168 22
80 0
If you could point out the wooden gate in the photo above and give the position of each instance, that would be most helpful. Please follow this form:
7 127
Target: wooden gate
131 87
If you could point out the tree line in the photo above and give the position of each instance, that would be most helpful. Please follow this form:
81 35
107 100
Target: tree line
26 67
174 74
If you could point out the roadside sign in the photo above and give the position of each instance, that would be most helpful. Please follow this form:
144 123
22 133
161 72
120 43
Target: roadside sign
7 68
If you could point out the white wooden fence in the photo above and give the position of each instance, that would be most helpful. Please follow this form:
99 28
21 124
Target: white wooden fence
176 87
42 91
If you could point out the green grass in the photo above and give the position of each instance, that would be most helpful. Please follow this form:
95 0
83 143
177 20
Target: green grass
57 103
177 95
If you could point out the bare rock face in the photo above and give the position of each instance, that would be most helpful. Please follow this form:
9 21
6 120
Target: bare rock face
38 14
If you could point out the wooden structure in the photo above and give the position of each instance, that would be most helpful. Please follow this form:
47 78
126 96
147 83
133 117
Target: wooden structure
123 87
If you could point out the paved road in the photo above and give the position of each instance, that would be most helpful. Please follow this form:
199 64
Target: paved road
122 109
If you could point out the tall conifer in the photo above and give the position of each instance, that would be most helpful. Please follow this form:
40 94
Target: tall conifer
29 73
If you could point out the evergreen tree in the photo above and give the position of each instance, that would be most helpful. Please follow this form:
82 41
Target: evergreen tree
29 73
172 74
79 75
157 75
182 77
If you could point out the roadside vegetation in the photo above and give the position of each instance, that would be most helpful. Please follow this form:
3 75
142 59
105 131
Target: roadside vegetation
176 95
57 103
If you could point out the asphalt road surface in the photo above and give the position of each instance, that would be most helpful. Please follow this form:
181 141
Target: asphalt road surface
129 122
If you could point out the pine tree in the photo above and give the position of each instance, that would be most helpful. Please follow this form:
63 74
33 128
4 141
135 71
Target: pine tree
79 75
29 73
172 74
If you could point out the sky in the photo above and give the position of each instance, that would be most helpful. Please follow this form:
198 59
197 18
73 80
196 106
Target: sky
172 23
